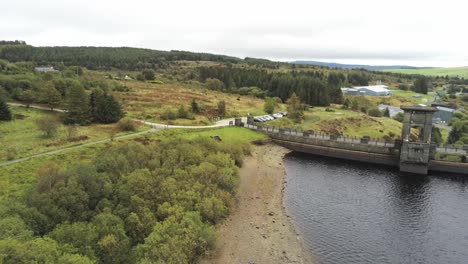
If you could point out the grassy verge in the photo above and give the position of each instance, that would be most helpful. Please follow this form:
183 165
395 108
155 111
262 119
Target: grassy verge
21 137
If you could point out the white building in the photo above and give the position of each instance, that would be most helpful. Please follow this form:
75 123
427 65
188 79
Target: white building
372 90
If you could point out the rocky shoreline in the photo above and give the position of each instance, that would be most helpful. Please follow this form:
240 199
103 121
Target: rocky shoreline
259 230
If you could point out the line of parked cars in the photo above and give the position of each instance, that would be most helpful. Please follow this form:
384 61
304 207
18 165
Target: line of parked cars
269 117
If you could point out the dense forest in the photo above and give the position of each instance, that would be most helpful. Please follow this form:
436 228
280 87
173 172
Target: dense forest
104 58
313 87
134 203
66 90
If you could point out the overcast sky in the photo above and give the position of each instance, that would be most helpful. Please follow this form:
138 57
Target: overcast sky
410 32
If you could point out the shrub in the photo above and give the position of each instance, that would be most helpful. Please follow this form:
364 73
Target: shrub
182 112
374 111
48 125
126 124
215 84
403 87
169 114
399 117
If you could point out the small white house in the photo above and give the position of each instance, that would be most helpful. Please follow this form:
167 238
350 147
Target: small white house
45 69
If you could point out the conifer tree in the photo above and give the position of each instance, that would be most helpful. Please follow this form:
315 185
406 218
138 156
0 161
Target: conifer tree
5 113
386 112
105 108
77 104
195 107
295 108
51 96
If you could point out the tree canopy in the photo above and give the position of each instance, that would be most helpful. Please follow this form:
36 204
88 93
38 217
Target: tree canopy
134 203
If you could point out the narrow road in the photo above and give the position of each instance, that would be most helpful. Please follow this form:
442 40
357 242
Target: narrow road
154 127
220 123
75 147
37 107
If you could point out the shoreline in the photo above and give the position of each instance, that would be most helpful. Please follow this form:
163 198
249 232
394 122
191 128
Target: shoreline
259 230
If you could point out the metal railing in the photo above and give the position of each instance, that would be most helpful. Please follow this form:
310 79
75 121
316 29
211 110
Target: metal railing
320 139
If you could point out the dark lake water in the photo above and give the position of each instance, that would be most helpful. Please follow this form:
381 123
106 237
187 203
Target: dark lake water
351 212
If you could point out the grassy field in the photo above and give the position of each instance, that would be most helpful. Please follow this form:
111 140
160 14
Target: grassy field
408 96
345 122
456 71
17 178
148 100
227 134
21 137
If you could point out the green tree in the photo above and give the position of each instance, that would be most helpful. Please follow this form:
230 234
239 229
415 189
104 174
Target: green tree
104 107
140 77
374 111
3 93
269 105
51 96
113 244
195 107
354 105
399 117
48 125
459 129
27 97
81 236
149 74
436 136
182 112
334 83
295 111
346 103
77 104
177 241
14 227
126 124
386 112
215 84
5 113
421 85
221 108
403 87
39 250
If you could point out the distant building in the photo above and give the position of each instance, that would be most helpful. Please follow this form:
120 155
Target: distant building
45 69
372 90
443 115
393 110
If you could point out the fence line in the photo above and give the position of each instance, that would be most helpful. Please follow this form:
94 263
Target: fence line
445 148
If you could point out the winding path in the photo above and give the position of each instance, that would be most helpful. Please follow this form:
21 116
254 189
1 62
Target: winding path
154 127
75 147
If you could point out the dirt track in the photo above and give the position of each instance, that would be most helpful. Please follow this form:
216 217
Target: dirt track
258 230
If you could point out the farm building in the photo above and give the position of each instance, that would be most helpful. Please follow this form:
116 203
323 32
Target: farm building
443 115
372 90
45 69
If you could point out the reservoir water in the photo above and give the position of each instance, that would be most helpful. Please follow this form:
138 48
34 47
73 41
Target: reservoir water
351 212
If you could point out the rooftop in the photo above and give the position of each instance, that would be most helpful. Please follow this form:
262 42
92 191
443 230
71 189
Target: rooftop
419 108
374 88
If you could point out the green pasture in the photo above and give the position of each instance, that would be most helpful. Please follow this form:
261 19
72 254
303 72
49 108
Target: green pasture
455 71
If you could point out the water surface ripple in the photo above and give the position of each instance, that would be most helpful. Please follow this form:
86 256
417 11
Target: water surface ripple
350 212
